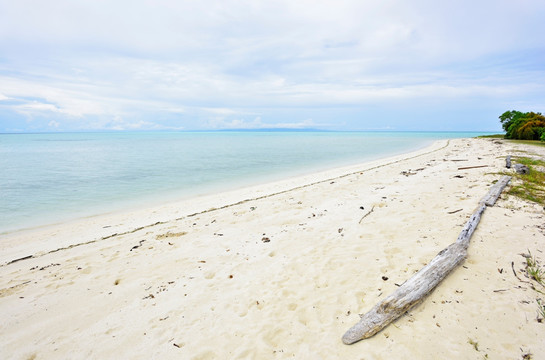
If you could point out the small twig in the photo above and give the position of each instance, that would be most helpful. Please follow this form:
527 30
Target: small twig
514 272
500 290
370 211
455 211
472 167
23 258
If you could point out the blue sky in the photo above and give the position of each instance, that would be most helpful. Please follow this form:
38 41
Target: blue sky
68 65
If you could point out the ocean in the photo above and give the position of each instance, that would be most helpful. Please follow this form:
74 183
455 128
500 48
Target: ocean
55 177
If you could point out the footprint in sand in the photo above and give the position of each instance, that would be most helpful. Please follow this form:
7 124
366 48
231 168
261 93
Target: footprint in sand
392 251
208 354
292 307
274 337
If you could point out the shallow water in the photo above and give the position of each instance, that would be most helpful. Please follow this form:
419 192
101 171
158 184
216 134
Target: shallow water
48 178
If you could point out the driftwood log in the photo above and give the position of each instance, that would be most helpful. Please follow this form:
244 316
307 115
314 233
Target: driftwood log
508 162
495 191
521 169
414 290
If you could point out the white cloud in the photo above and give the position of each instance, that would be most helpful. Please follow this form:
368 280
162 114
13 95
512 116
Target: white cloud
37 107
257 123
138 125
233 60
62 99
221 111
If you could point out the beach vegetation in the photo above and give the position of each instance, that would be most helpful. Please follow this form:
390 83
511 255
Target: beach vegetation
528 142
494 136
523 126
530 186
529 161
533 269
535 272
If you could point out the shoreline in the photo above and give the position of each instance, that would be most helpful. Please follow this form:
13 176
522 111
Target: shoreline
163 178
147 202
192 205
283 270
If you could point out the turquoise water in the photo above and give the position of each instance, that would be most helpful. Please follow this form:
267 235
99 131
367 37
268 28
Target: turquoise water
55 177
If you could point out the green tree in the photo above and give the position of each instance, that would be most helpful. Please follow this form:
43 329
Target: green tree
530 128
525 126
508 118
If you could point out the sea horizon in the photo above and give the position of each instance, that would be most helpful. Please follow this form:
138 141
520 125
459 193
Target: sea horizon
272 129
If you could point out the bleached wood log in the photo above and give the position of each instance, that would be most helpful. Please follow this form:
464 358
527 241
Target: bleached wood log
414 290
508 162
494 193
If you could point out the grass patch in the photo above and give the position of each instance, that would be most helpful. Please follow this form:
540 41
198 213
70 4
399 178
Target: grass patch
528 161
533 269
502 136
525 193
523 152
496 136
531 186
529 142
535 272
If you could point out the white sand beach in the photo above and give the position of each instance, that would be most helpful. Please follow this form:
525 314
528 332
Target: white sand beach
282 270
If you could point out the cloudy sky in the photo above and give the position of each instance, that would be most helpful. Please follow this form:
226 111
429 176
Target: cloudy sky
88 65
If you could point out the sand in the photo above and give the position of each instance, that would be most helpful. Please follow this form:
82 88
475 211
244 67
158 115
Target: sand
282 270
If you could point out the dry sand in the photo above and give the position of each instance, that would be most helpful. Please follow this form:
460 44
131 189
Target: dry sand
283 270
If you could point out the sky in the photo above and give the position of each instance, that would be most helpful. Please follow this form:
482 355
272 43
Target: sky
104 65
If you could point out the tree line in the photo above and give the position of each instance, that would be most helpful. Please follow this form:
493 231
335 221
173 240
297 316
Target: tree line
524 126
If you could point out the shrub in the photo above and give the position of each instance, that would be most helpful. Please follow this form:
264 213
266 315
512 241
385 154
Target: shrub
524 126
